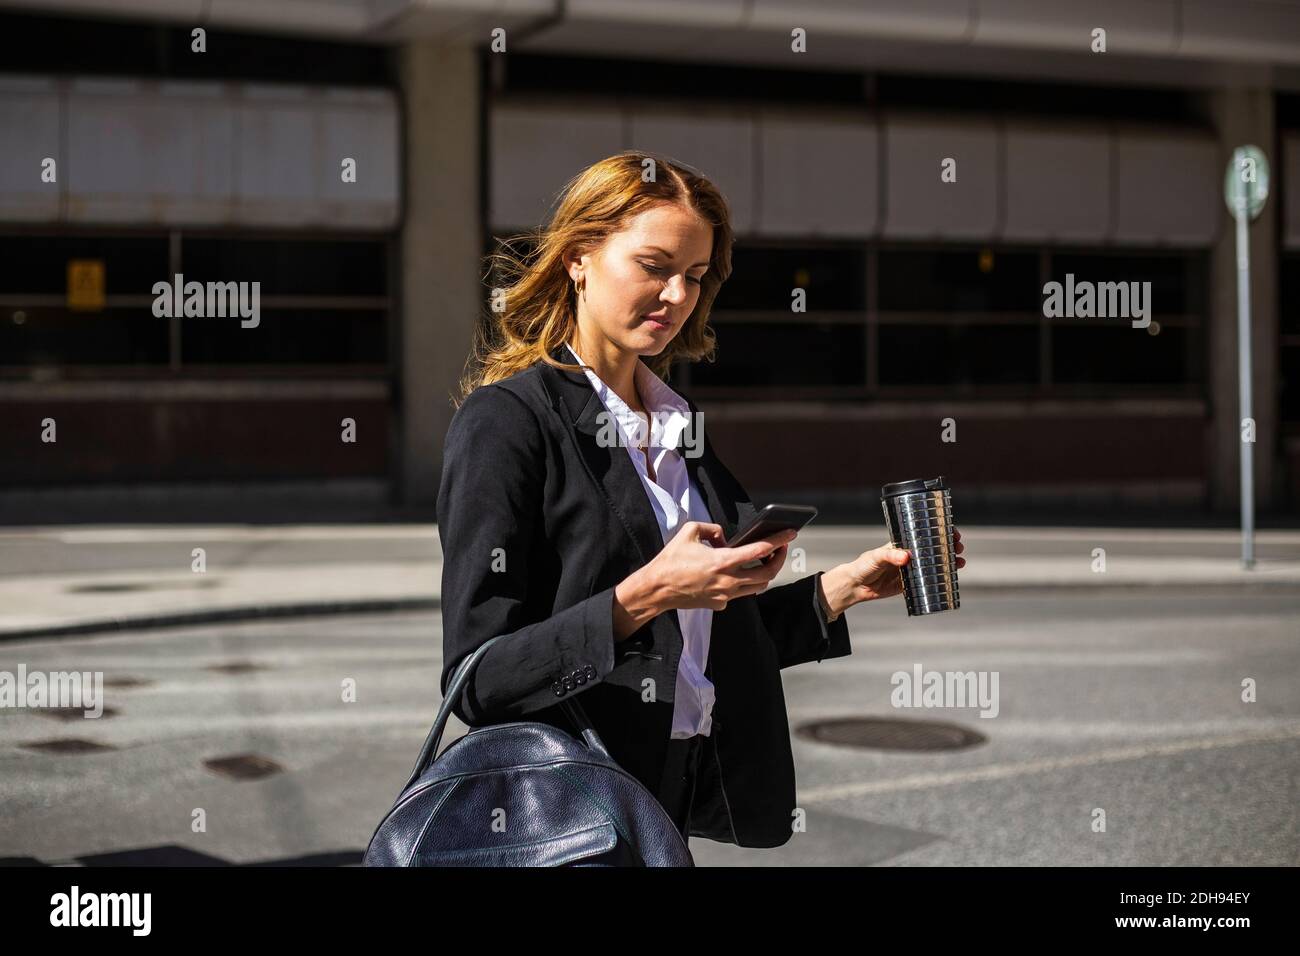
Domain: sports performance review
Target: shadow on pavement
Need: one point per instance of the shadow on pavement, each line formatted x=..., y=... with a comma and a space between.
x=172, y=855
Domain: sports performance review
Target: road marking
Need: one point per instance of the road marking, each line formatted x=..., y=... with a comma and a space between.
x=973, y=658
x=1007, y=771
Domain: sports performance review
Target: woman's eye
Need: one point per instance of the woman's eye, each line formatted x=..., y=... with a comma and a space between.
x=655, y=270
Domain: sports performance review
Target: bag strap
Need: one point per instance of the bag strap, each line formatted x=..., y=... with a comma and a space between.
x=463, y=673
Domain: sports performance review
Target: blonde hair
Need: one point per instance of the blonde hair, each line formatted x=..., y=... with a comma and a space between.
x=542, y=309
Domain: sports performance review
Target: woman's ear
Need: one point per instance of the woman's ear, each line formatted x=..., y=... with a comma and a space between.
x=578, y=260
x=573, y=264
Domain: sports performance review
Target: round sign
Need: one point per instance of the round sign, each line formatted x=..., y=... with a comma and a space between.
x=1246, y=180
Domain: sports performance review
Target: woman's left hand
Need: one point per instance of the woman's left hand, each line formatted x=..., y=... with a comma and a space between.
x=872, y=575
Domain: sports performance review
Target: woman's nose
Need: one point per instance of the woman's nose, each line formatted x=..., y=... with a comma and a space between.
x=675, y=290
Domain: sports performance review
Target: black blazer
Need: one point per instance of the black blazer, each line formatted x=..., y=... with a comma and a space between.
x=538, y=523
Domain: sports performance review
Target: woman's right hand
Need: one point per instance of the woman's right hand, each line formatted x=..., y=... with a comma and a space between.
x=695, y=569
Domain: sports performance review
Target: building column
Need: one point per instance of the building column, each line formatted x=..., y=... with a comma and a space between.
x=440, y=251
x=1244, y=116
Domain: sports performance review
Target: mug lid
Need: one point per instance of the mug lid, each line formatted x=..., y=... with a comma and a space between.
x=915, y=486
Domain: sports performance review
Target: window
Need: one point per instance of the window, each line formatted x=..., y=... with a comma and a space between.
x=38, y=329
x=957, y=318
x=323, y=306
x=925, y=322
x=774, y=355
x=291, y=267
x=958, y=281
x=957, y=354
x=915, y=321
x=323, y=303
x=1097, y=352
x=764, y=344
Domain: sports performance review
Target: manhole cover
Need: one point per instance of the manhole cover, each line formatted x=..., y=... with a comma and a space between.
x=890, y=733
x=243, y=766
x=237, y=667
x=66, y=745
x=74, y=713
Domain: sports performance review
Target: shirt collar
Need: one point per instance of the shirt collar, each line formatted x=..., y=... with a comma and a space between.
x=669, y=412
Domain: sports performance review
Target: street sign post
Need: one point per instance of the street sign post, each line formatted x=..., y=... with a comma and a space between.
x=1245, y=189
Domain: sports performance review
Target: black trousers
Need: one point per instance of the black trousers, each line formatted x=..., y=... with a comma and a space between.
x=678, y=784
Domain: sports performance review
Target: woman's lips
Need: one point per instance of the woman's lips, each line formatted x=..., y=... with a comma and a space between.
x=658, y=324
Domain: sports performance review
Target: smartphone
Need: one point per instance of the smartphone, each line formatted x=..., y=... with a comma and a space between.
x=769, y=521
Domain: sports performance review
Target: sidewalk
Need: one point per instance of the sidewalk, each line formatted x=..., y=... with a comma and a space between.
x=58, y=581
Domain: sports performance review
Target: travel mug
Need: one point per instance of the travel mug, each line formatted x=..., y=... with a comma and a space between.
x=918, y=515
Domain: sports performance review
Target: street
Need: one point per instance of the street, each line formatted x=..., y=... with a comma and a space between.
x=1123, y=700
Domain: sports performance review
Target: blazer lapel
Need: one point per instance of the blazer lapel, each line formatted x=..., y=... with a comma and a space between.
x=612, y=469
x=610, y=465
x=702, y=478
x=718, y=489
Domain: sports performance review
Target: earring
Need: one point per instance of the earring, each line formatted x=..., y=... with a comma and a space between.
x=580, y=287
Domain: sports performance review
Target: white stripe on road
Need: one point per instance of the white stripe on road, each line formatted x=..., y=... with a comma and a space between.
x=973, y=658
x=924, y=781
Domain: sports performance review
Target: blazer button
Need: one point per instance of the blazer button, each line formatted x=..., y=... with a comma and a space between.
x=580, y=679
x=558, y=688
x=591, y=672
x=568, y=683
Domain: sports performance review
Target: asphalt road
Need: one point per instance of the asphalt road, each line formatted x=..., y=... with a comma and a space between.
x=1128, y=702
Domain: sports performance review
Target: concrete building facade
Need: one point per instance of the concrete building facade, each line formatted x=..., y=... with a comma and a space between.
x=1097, y=156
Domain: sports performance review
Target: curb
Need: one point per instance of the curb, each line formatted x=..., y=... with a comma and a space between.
x=257, y=612
x=1215, y=589
x=252, y=612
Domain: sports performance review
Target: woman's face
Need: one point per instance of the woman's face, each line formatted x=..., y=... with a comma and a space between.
x=643, y=283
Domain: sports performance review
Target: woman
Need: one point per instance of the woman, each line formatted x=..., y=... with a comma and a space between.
x=582, y=515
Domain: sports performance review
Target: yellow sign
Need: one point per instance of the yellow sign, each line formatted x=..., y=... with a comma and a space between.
x=86, y=285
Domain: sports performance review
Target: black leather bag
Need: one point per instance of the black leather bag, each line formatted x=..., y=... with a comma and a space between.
x=523, y=793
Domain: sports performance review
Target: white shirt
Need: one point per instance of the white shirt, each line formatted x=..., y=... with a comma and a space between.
x=675, y=500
